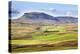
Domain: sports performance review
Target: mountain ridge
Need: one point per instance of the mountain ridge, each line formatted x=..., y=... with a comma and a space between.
x=40, y=17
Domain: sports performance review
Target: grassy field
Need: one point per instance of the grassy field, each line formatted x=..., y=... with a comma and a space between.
x=26, y=38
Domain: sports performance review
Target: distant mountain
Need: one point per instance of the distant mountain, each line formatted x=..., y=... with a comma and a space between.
x=40, y=17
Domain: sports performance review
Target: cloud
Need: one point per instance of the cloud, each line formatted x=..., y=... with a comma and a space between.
x=68, y=13
x=52, y=9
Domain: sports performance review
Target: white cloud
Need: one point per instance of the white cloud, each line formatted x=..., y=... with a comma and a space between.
x=68, y=13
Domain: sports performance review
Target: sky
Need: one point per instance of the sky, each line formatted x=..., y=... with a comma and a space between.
x=53, y=8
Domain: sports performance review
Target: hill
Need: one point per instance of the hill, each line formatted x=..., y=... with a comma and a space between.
x=40, y=17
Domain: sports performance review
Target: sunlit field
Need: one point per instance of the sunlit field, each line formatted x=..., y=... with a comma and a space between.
x=27, y=38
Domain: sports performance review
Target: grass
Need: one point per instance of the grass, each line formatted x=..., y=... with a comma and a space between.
x=44, y=39
x=25, y=40
x=45, y=43
x=34, y=49
x=56, y=37
x=68, y=44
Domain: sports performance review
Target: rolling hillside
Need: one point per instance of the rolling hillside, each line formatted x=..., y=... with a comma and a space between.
x=36, y=31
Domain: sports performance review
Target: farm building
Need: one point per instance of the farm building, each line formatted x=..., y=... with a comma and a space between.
x=53, y=28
